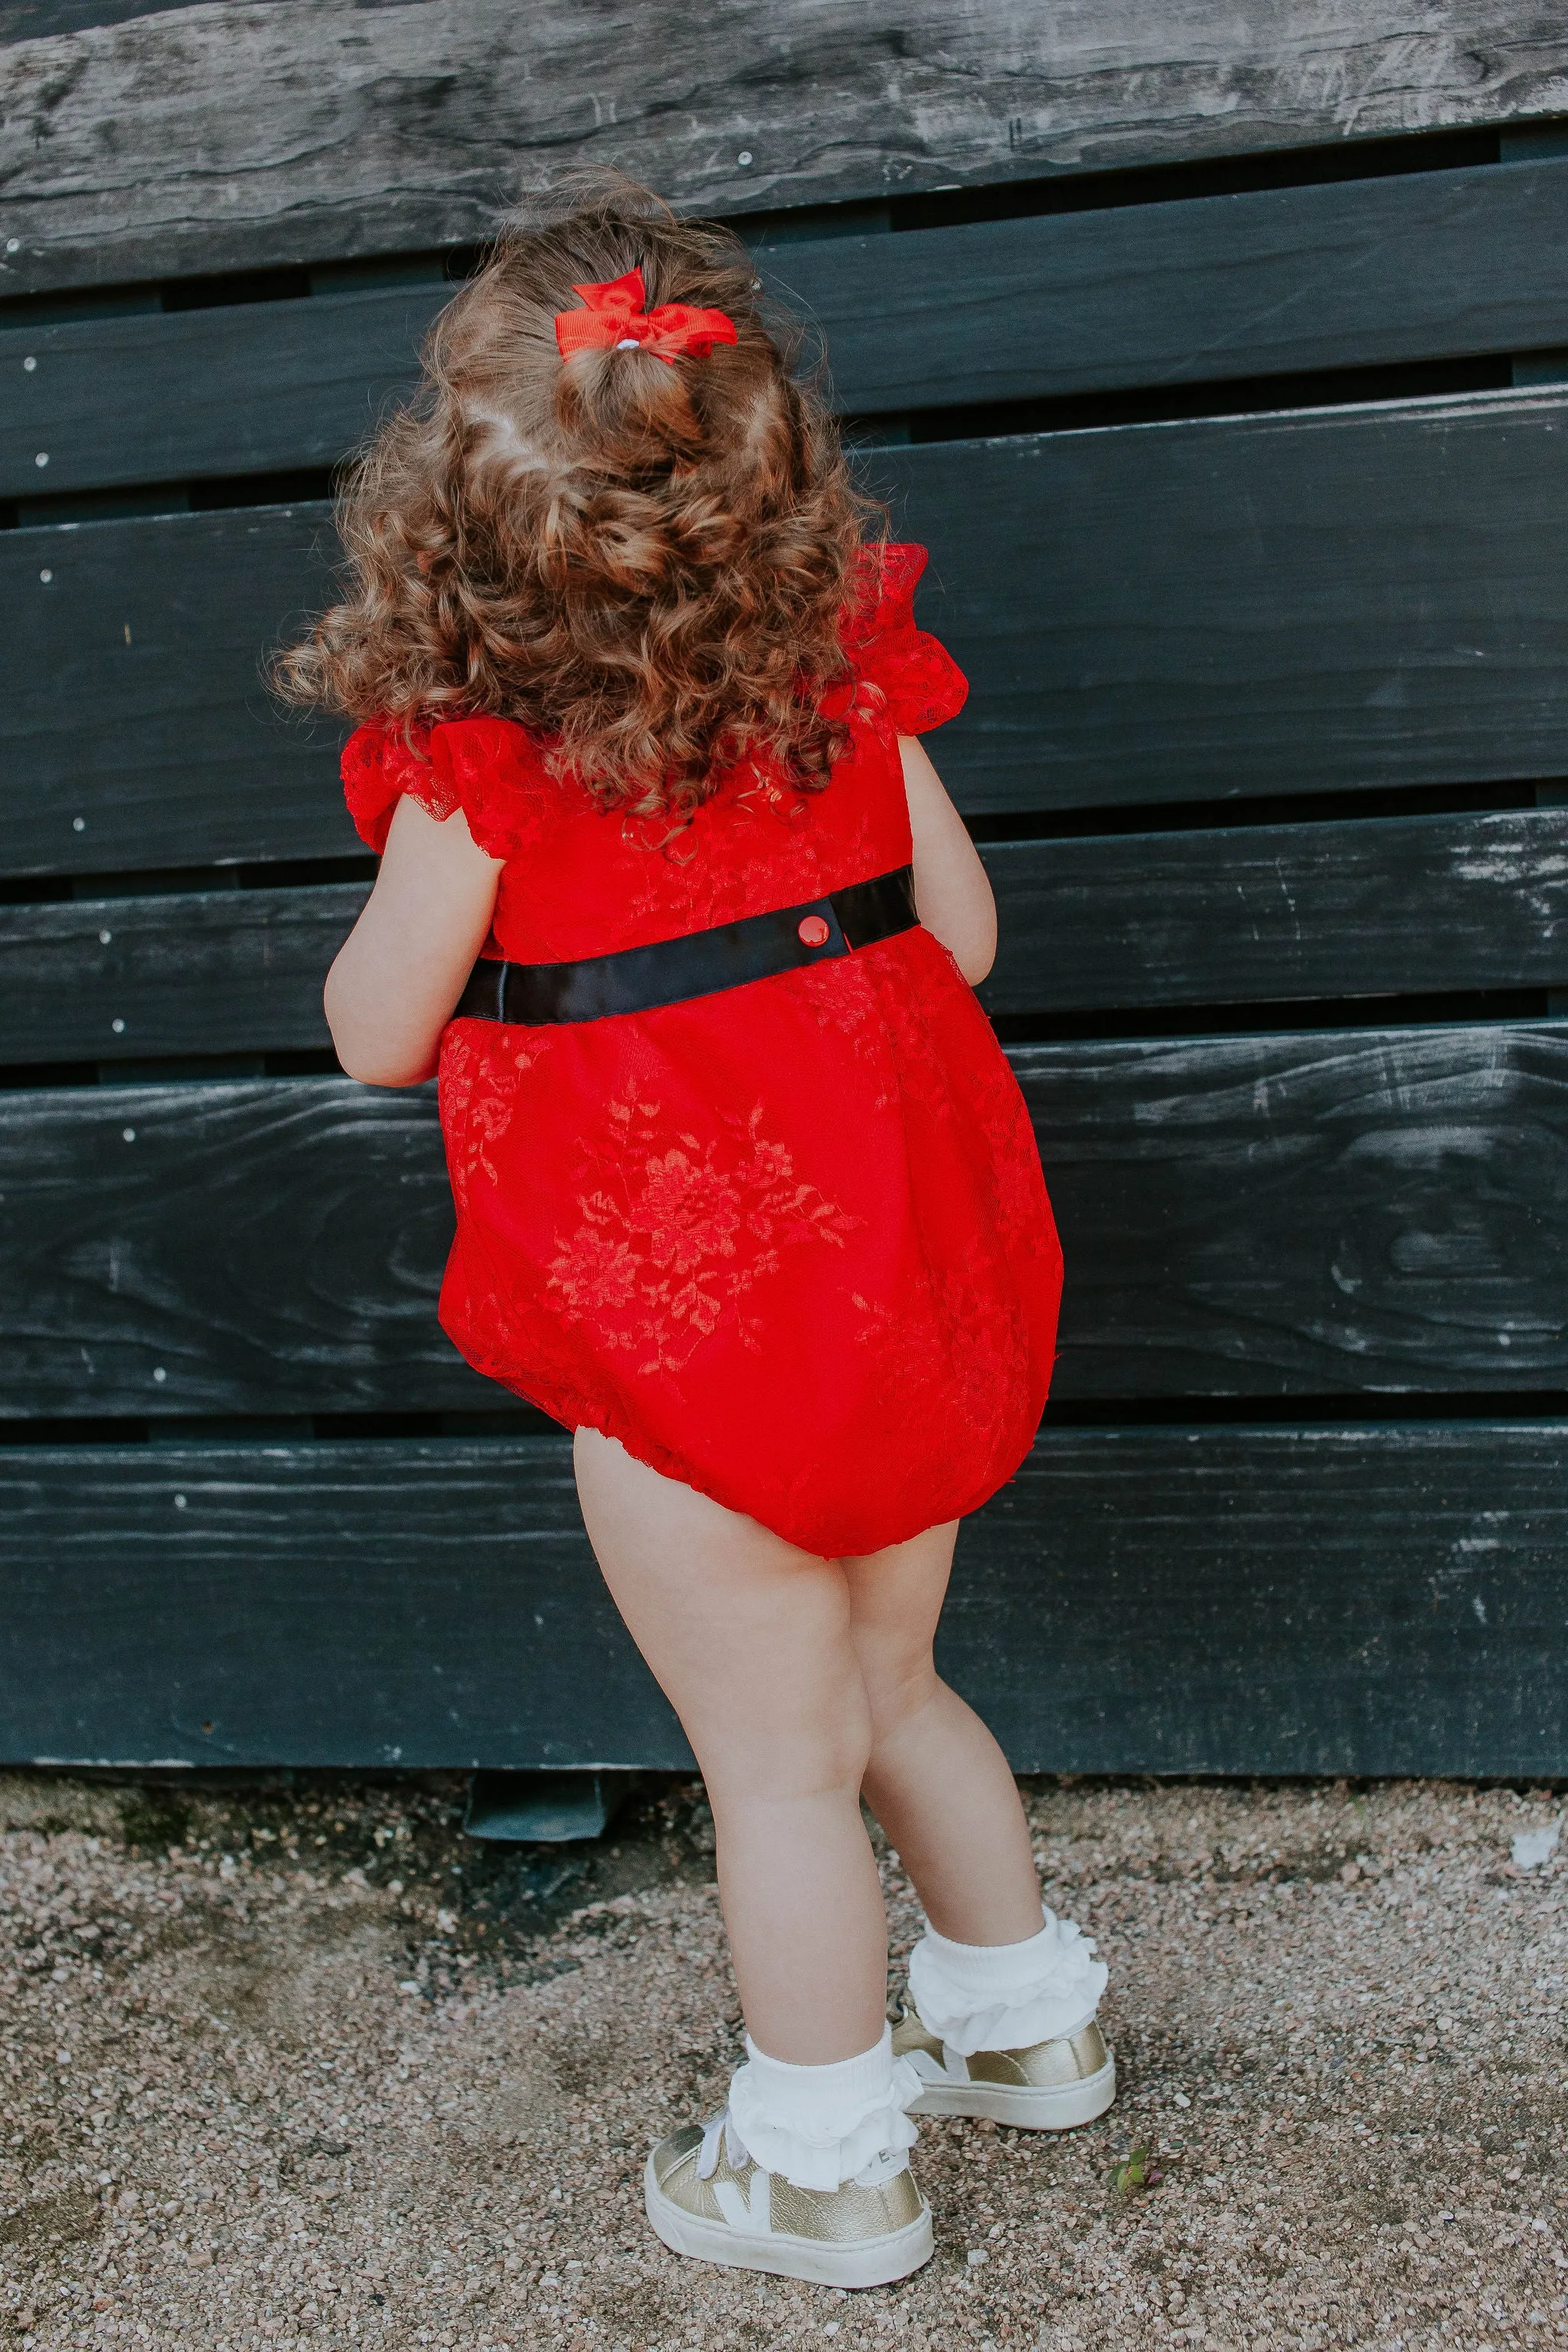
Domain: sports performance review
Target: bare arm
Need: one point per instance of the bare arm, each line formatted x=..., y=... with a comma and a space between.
x=400, y=971
x=952, y=890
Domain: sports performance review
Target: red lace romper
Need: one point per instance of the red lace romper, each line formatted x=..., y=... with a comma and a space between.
x=790, y=1244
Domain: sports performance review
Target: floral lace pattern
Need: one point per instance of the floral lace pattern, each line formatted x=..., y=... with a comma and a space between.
x=675, y=1236
x=790, y=1244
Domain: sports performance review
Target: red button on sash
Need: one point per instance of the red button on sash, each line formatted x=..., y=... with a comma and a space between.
x=811, y=930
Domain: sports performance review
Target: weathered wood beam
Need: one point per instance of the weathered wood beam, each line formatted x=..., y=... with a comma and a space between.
x=1386, y=907
x=216, y=137
x=1373, y=908
x=1372, y=1600
x=192, y=971
x=1307, y=1214
x=1330, y=599
x=1430, y=265
x=1323, y=1212
x=1301, y=602
x=1279, y=281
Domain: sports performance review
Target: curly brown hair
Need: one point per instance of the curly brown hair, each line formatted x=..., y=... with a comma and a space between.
x=648, y=562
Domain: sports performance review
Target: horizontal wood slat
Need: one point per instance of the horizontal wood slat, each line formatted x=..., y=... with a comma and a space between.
x=252, y=1247
x=1429, y=265
x=184, y=395
x=1421, y=266
x=133, y=672
x=1383, y=1600
x=1312, y=602
x=1310, y=1215
x=1373, y=1600
x=417, y=1599
x=1379, y=907
x=317, y=140
x=1390, y=906
x=1333, y=599
x=1264, y=1215
x=196, y=972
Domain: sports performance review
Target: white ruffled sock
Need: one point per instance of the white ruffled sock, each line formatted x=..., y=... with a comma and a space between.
x=1006, y=1996
x=820, y=2126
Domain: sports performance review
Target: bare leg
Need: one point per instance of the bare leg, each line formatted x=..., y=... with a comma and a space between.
x=750, y=1640
x=937, y=1780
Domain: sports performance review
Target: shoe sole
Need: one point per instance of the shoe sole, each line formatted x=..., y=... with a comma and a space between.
x=1027, y=2106
x=868, y=2262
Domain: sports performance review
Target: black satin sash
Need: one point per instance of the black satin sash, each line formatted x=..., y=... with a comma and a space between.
x=701, y=963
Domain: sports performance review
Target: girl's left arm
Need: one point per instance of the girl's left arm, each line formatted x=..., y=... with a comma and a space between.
x=399, y=974
x=953, y=890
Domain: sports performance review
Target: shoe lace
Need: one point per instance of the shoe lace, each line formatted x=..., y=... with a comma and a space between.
x=721, y=2128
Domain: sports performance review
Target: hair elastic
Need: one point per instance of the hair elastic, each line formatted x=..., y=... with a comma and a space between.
x=612, y=319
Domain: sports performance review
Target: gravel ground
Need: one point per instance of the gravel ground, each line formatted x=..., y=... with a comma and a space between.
x=304, y=2066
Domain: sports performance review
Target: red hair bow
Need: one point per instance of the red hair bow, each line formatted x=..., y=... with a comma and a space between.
x=615, y=316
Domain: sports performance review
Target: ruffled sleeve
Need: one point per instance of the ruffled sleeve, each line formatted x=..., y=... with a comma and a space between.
x=378, y=766
x=922, y=683
x=490, y=767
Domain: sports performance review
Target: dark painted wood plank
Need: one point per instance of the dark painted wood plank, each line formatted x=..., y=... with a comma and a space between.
x=1428, y=266
x=1385, y=906
x=1316, y=600
x=254, y=1247
x=1311, y=1600
x=198, y=972
x=183, y=395
x=1393, y=906
x=1422, y=266
x=1333, y=599
x=1387, y=1600
x=1309, y=1214
x=316, y=140
x=1327, y=1212
x=138, y=729
x=419, y=1598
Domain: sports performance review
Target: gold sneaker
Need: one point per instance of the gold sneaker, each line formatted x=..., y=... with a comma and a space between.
x=1051, y=2086
x=706, y=2197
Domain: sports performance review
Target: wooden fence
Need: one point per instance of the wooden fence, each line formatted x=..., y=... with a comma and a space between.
x=1221, y=359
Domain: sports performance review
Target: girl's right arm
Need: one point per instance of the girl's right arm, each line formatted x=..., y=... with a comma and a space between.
x=399, y=974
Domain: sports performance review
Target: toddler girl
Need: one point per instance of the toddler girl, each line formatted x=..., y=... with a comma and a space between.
x=675, y=905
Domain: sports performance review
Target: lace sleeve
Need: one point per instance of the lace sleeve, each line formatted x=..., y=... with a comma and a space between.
x=492, y=770
x=922, y=683
x=487, y=767
x=378, y=767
